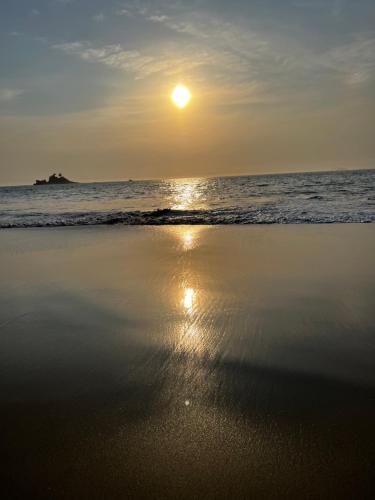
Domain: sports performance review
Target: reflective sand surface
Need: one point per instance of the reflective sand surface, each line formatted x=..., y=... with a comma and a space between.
x=187, y=362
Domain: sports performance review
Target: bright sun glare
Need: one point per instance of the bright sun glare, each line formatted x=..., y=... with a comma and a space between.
x=181, y=96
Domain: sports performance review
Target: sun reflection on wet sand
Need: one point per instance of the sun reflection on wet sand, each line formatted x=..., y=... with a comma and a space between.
x=191, y=336
x=188, y=237
x=189, y=296
x=188, y=240
x=190, y=340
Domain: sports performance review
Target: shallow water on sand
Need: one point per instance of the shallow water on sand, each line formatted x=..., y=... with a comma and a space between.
x=187, y=361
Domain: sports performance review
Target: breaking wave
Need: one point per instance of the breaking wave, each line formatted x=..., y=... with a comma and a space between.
x=169, y=216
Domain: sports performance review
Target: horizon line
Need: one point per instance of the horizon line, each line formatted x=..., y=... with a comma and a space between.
x=213, y=176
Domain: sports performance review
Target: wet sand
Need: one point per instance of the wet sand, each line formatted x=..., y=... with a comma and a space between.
x=187, y=362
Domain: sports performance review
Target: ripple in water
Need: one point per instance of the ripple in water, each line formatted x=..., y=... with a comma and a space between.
x=323, y=197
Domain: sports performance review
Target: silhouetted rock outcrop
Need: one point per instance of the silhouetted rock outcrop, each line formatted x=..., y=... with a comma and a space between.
x=53, y=179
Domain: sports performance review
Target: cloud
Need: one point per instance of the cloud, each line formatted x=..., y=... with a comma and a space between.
x=215, y=51
x=7, y=95
x=236, y=51
x=206, y=42
x=142, y=64
x=124, y=12
x=334, y=7
x=99, y=17
x=158, y=18
x=355, y=60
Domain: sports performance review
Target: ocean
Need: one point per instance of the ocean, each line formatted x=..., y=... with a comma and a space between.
x=298, y=198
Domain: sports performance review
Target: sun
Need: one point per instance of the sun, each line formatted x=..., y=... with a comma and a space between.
x=181, y=96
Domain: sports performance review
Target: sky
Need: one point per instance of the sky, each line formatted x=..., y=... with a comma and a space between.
x=277, y=86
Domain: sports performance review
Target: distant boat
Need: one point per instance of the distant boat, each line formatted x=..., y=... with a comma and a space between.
x=53, y=179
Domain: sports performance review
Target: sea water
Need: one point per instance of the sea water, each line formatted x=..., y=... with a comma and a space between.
x=320, y=197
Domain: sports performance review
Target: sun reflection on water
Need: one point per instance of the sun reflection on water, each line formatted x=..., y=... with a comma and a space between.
x=187, y=194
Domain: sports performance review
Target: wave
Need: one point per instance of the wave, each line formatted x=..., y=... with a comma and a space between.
x=167, y=216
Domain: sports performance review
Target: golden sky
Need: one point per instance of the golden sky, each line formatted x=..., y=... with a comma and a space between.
x=276, y=86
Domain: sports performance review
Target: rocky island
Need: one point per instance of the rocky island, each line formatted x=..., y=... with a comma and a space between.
x=53, y=179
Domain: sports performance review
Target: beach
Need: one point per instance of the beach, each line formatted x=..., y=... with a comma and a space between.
x=187, y=361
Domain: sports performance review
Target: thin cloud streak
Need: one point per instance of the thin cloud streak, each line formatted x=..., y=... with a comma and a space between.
x=7, y=95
